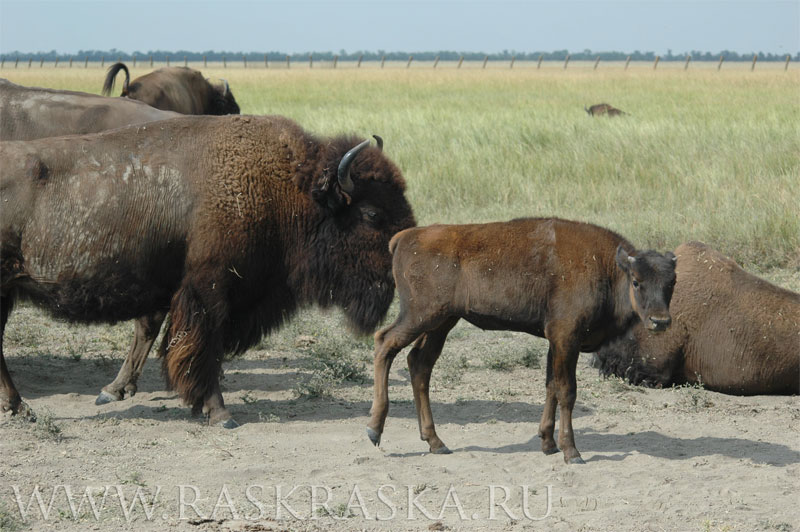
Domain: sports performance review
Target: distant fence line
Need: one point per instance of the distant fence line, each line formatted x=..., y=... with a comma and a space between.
x=335, y=62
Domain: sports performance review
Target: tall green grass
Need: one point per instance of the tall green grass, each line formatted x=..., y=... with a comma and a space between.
x=703, y=155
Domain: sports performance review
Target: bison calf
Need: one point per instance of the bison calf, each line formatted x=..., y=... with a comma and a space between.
x=605, y=109
x=573, y=283
x=733, y=332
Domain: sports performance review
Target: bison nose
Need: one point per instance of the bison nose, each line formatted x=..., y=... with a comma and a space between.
x=658, y=323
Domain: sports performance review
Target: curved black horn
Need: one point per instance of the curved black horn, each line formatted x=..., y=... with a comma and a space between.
x=344, y=167
x=379, y=141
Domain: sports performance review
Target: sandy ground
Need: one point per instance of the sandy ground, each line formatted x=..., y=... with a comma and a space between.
x=672, y=459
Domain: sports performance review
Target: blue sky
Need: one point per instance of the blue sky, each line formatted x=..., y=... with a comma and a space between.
x=391, y=25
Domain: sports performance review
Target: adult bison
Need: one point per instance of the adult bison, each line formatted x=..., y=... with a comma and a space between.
x=575, y=284
x=231, y=223
x=28, y=113
x=732, y=332
x=603, y=109
x=180, y=89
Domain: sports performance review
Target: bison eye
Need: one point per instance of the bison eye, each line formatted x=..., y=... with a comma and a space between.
x=371, y=215
x=635, y=283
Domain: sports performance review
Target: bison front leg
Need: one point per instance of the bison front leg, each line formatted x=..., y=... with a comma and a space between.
x=421, y=360
x=548, y=424
x=10, y=400
x=388, y=342
x=195, y=348
x=145, y=332
x=565, y=360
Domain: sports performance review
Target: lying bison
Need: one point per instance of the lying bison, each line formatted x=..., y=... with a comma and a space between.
x=231, y=223
x=575, y=284
x=178, y=89
x=603, y=109
x=28, y=113
x=732, y=332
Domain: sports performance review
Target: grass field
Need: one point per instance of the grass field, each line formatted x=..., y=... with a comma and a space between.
x=703, y=155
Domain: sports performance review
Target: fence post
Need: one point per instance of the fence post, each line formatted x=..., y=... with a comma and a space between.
x=244, y=61
x=566, y=62
x=753, y=66
x=30, y=60
x=383, y=60
x=205, y=61
x=134, y=60
x=16, y=61
x=721, y=59
x=287, y=62
x=436, y=61
x=119, y=59
x=86, y=62
x=785, y=68
x=151, y=60
x=688, y=58
x=41, y=62
x=360, y=57
x=310, y=61
x=485, y=59
x=56, y=62
x=655, y=64
x=3, y=63
x=596, y=62
x=102, y=61
x=70, y=62
x=224, y=62
x=460, y=60
x=513, y=58
x=335, y=60
x=185, y=61
x=627, y=62
x=266, y=64
x=167, y=60
x=539, y=64
x=410, y=58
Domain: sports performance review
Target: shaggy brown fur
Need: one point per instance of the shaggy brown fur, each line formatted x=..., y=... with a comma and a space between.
x=178, y=89
x=733, y=332
x=573, y=283
x=231, y=222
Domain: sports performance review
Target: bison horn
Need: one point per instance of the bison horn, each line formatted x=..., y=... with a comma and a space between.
x=379, y=141
x=227, y=87
x=344, y=167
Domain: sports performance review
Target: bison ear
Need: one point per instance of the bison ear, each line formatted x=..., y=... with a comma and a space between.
x=624, y=260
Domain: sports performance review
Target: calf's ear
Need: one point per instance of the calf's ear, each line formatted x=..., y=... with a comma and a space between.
x=624, y=260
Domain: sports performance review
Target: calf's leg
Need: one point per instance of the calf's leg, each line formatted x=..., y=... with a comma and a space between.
x=145, y=332
x=421, y=359
x=565, y=359
x=548, y=423
x=388, y=342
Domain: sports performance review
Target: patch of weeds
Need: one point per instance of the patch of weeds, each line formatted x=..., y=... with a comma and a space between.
x=532, y=358
x=248, y=399
x=8, y=522
x=333, y=362
x=269, y=418
x=451, y=372
x=500, y=362
x=134, y=478
x=695, y=397
x=340, y=511
x=46, y=427
x=76, y=348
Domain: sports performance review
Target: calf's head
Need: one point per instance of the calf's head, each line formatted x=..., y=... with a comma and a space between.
x=651, y=280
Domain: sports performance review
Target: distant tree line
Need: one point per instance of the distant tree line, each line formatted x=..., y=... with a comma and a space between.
x=445, y=55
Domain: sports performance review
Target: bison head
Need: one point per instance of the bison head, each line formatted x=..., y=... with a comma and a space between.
x=651, y=280
x=222, y=100
x=361, y=205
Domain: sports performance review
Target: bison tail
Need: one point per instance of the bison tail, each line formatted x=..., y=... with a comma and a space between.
x=113, y=70
x=193, y=353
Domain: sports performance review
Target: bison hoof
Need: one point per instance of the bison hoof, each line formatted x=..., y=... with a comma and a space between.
x=551, y=450
x=229, y=423
x=105, y=398
x=442, y=450
x=576, y=460
x=374, y=437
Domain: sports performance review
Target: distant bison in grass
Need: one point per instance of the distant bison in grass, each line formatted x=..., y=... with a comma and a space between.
x=180, y=89
x=576, y=284
x=732, y=332
x=603, y=109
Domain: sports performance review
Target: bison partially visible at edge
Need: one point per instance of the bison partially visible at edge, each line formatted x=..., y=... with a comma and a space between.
x=576, y=284
x=230, y=223
x=180, y=89
x=732, y=332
